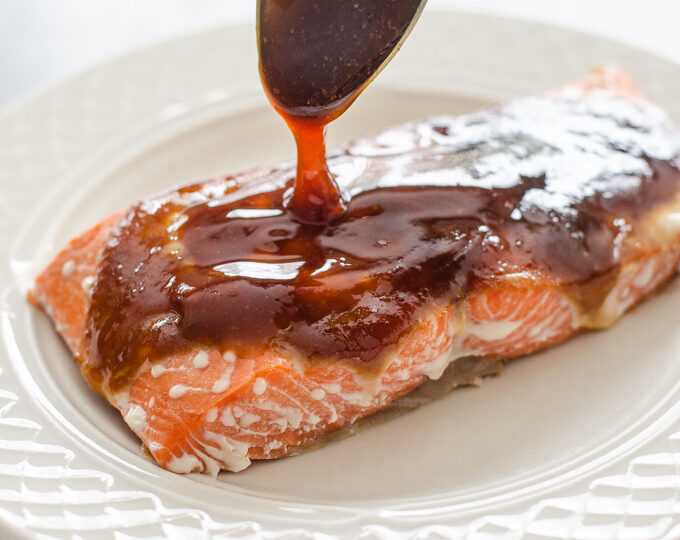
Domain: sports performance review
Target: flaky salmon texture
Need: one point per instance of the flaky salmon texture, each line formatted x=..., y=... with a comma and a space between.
x=207, y=408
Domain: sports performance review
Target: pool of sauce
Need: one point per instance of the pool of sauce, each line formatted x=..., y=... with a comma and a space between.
x=438, y=209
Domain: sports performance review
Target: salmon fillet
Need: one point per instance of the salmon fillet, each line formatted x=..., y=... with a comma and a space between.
x=207, y=408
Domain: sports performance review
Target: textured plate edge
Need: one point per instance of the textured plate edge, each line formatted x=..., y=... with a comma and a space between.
x=377, y=529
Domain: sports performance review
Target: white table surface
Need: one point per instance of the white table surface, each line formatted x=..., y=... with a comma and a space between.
x=42, y=41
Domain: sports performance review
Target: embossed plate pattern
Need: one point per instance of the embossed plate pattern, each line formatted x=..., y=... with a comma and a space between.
x=582, y=441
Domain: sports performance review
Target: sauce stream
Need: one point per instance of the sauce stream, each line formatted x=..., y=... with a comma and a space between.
x=315, y=59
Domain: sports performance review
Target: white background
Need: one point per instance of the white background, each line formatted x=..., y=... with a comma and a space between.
x=42, y=41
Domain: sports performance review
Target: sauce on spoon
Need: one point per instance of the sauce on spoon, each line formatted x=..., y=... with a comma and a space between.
x=315, y=59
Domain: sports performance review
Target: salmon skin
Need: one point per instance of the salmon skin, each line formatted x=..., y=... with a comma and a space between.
x=211, y=406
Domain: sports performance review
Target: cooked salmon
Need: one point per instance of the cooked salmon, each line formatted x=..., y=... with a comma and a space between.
x=209, y=405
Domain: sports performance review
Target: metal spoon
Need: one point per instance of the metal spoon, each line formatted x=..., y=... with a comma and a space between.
x=316, y=56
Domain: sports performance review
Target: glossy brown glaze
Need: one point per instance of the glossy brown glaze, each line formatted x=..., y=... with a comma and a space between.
x=440, y=208
x=315, y=59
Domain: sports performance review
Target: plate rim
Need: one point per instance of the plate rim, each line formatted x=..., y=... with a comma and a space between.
x=18, y=107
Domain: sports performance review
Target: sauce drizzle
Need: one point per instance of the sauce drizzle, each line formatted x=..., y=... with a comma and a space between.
x=315, y=59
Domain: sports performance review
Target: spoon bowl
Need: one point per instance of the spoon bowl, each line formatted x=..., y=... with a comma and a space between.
x=316, y=57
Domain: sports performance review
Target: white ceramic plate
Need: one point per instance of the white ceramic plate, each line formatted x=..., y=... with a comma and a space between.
x=577, y=442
